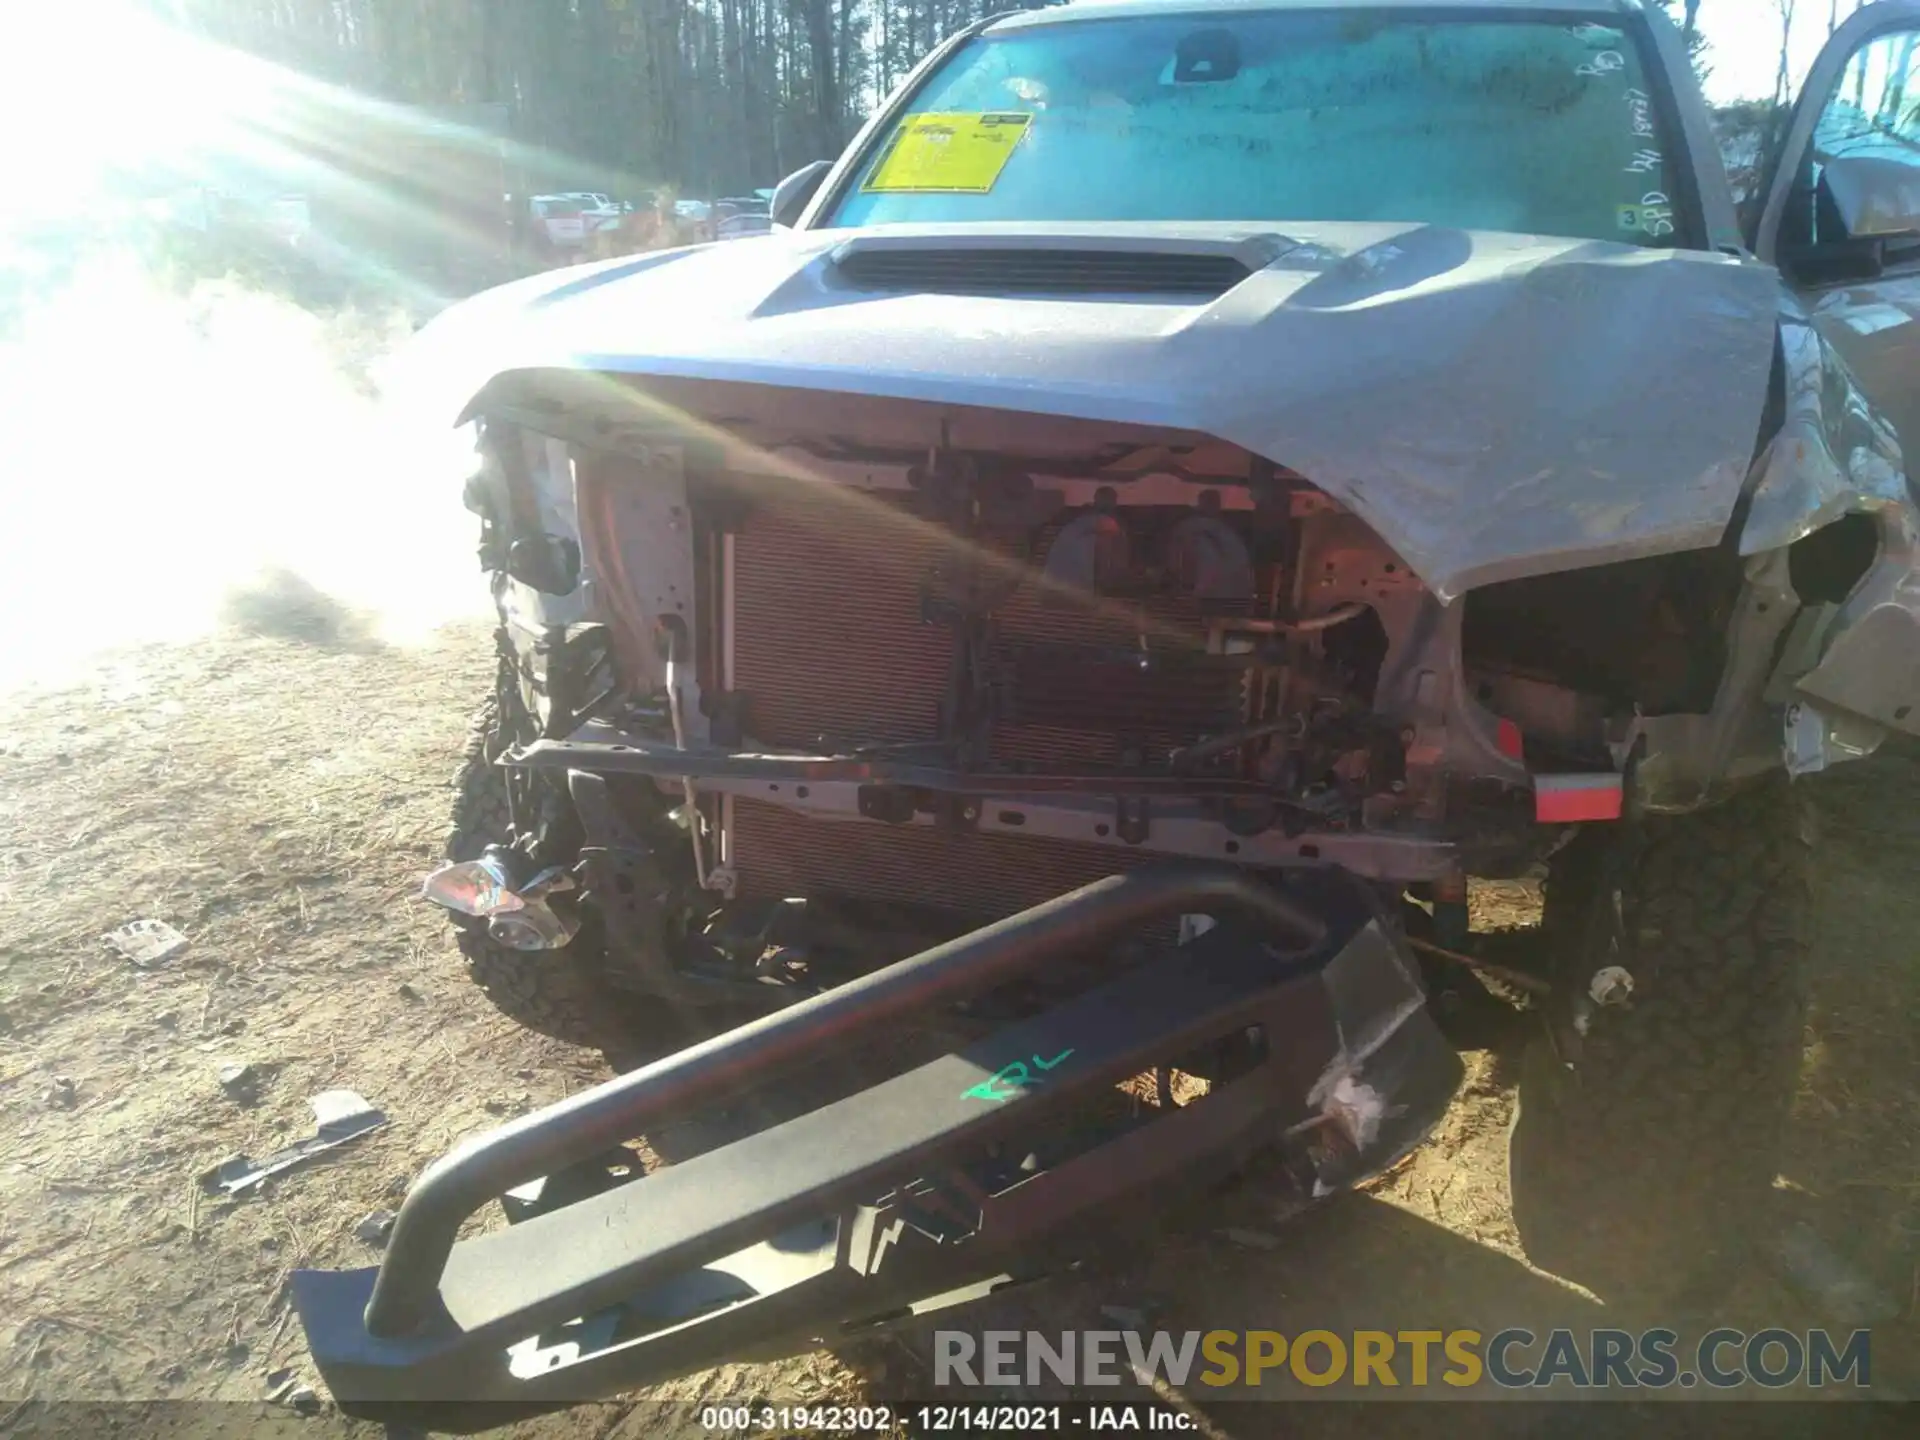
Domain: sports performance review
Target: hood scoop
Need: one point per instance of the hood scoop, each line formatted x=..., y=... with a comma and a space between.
x=965, y=269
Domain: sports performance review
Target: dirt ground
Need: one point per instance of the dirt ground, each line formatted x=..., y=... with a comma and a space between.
x=277, y=800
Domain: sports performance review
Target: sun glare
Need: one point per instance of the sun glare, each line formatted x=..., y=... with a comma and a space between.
x=88, y=92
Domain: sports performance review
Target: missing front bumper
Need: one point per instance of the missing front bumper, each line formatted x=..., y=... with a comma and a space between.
x=902, y=1196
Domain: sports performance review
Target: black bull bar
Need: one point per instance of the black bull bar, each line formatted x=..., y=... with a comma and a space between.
x=862, y=1212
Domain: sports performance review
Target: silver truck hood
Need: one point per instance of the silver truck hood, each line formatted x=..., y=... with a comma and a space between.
x=1494, y=405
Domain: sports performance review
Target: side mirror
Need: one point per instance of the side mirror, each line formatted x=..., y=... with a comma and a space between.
x=1875, y=195
x=791, y=195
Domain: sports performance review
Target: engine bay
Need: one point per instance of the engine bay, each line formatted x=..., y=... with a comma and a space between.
x=1025, y=635
x=1025, y=675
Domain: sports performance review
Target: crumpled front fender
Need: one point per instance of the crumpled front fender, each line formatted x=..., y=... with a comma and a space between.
x=1835, y=455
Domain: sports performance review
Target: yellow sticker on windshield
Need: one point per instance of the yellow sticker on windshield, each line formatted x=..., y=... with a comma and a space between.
x=950, y=153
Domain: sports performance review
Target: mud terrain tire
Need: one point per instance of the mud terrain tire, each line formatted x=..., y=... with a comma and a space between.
x=1642, y=1155
x=560, y=993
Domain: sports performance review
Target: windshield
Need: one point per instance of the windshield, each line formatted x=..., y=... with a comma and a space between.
x=1524, y=126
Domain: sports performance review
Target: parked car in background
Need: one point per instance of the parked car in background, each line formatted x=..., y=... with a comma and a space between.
x=559, y=221
x=599, y=208
x=569, y=219
x=738, y=216
x=741, y=226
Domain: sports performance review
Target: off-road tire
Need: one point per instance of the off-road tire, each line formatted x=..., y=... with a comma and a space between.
x=1642, y=1154
x=562, y=993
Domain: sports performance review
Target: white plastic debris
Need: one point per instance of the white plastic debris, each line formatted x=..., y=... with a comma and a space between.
x=147, y=944
x=342, y=1115
x=1611, y=985
x=1356, y=1109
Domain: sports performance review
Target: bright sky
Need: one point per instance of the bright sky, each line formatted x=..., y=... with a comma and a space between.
x=1743, y=38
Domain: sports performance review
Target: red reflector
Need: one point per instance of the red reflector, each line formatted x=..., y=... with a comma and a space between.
x=1507, y=737
x=1567, y=799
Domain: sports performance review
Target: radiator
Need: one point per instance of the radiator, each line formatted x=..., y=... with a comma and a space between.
x=830, y=649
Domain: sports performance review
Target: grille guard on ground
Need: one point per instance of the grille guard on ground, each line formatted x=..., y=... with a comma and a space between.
x=820, y=1228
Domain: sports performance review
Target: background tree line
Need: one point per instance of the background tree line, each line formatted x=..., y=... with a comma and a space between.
x=711, y=96
x=707, y=96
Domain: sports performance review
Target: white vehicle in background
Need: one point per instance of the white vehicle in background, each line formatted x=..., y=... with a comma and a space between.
x=569, y=219
x=738, y=216
x=596, y=202
x=599, y=210
x=558, y=219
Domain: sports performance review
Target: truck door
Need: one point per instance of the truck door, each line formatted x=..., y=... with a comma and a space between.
x=1842, y=218
x=1842, y=223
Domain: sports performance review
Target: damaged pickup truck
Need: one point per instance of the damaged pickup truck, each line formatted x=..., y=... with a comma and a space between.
x=1196, y=485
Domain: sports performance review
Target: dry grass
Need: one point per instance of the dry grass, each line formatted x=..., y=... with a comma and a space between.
x=277, y=801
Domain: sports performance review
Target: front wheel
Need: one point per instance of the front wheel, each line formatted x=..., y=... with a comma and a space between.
x=562, y=993
x=1653, y=1107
